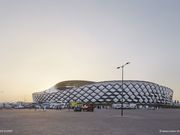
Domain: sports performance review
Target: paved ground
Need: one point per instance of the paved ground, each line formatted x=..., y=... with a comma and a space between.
x=100, y=122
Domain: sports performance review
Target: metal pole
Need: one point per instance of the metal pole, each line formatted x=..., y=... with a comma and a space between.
x=122, y=87
x=122, y=92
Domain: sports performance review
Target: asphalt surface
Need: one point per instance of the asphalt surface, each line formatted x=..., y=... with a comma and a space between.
x=100, y=122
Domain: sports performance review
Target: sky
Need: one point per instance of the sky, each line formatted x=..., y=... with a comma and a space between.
x=43, y=42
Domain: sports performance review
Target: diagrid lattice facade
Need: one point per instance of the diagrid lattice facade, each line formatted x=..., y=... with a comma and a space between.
x=139, y=92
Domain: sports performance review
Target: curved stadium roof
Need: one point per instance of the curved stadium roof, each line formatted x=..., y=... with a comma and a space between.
x=72, y=83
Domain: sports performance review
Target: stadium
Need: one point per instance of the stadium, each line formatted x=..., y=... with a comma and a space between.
x=106, y=93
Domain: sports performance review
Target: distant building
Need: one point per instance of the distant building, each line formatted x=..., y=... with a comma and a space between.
x=106, y=92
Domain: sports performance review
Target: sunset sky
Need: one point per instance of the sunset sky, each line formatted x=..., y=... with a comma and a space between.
x=43, y=42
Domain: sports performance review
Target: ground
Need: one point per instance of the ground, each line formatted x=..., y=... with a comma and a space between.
x=100, y=122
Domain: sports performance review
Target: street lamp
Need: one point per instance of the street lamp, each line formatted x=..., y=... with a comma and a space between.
x=122, y=91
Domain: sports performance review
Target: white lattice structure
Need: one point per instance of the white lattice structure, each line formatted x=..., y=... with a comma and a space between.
x=140, y=92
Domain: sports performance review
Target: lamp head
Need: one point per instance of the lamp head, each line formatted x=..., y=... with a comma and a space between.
x=127, y=63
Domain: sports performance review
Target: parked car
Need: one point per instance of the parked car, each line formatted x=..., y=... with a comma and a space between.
x=19, y=107
x=77, y=109
x=88, y=107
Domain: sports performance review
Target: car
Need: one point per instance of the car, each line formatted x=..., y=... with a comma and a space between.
x=88, y=108
x=77, y=109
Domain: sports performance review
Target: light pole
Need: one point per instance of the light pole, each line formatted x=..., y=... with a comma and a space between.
x=122, y=91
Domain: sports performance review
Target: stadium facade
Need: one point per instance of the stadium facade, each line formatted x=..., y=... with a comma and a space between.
x=106, y=92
